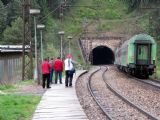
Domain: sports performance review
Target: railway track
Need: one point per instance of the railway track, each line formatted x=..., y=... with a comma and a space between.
x=121, y=107
x=154, y=83
x=94, y=96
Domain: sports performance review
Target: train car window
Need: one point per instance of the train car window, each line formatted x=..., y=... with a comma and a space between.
x=139, y=50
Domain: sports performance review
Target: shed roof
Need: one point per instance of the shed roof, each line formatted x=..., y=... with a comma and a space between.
x=13, y=48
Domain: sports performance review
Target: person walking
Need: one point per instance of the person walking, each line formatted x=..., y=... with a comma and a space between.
x=51, y=62
x=69, y=70
x=58, y=68
x=45, y=73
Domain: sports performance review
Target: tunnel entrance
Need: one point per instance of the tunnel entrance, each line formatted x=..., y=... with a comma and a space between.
x=102, y=55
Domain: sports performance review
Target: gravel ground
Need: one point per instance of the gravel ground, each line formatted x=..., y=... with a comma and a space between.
x=143, y=95
x=33, y=89
x=90, y=107
x=25, y=89
x=117, y=108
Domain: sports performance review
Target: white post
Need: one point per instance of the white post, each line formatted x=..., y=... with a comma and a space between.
x=61, y=33
x=35, y=39
x=69, y=47
x=41, y=27
x=61, y=48
x=34, y=12
x=41, y=45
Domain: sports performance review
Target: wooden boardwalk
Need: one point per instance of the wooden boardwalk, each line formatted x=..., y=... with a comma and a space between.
x=60, y=103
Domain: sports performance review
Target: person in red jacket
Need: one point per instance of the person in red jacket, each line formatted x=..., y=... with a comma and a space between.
x=58, y=68
x=45, y=73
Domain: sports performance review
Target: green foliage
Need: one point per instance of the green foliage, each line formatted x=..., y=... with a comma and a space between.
x=35, y=3
x=111, y=14
x=14, y=87
x=14, y=107
x=14, y=34
x=51, y=40
x=6, y=87
x=3, y=18
x=105, y=27
x=14, y=10
x=90, y=13
x=133, y=4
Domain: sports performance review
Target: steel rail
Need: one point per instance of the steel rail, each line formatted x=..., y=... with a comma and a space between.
x=92, y=94
x=128, y=101
x=147, y=81
x=144, y=80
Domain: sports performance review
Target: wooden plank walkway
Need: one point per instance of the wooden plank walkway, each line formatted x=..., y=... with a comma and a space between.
x=60, y=103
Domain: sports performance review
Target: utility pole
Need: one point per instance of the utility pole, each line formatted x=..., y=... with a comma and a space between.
x=27, y=62
x=61, y=33
x=61, y=12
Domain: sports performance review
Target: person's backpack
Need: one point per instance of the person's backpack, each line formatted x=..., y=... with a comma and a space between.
x=73, y=70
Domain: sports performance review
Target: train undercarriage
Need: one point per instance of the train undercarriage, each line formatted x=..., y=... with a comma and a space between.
x=140, y=71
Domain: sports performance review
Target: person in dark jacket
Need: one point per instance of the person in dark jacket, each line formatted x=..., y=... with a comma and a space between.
x=58, y=69
x=51, y=62
x=45, y=73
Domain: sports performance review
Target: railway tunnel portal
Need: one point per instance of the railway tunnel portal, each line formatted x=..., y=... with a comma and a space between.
x=99, y=50
x=102, y=55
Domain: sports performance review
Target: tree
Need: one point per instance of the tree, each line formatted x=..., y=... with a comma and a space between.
x=14, y=10
x=133, y=4
x=5, y=2
x=3, y=18
x=14, y=34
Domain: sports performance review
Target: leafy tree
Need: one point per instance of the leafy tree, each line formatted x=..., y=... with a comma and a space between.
x=3, y=18
x=133, y=4
x=5, y=2
x=14, y=10
x=13, y=34
x=35, y=3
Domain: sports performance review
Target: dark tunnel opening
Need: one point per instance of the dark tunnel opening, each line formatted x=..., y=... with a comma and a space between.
x=102, y=55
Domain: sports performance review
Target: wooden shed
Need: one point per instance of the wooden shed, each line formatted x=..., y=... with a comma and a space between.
x=10, y=64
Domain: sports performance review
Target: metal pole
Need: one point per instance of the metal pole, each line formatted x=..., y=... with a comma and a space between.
x=24, y=39
x=69, y=47
x=41, y=46
x=27, y=62
x=61, y=48
x=35, y=38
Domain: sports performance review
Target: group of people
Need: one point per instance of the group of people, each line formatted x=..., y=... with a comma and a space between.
x=56, y=66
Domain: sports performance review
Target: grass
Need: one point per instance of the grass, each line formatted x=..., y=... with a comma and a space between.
x=158, y=71
x=7, y=87
x=158, y=74
x=14, y=107
x=13, y=87
x=17, y=107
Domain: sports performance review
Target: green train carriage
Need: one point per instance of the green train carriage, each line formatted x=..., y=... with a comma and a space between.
x=137, y=56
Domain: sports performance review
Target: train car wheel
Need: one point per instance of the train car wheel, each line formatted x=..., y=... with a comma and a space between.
x=133, y=72
x=130, y=71
x=146, y=76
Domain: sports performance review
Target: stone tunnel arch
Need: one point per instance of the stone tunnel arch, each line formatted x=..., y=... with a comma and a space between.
x=102, y=55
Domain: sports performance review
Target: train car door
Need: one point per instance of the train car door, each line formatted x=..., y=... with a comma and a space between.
x=143, y=54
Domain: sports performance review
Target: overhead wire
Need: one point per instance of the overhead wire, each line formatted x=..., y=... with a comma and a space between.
x=52, y=11
x=49, y=13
